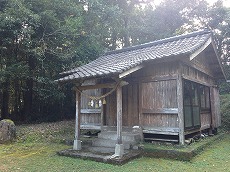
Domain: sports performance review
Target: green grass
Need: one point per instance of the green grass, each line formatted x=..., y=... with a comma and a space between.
x=225, y=111
x=37, y=152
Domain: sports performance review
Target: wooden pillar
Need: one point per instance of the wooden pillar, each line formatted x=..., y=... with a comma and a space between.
x=180, y=109
x=212, y=103
x=77, y=142
x=119, y=148
x=102, y=116
x=140, y=104
x=119, y=114
x=215, y=107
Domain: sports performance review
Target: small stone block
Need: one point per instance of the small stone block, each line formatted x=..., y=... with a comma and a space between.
x=119, y=150
x=77, y=145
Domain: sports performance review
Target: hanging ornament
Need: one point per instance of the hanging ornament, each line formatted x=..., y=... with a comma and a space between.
x=96, y=105
x=92, y=103
x=104, y=101
x=100, y=103
x=89, y=103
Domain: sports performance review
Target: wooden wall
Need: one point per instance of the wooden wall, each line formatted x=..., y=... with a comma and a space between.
x=90, y=118
x=154, y=88
x=154, y=71
x=215, y=107
x=110, y=109
x=90, y=115
x=159, y=104
x=153, y=120
x=159, y=94
x=130, y=114
x=192, y=74
x=130, y=105
x=205, y=119
x=198, y=70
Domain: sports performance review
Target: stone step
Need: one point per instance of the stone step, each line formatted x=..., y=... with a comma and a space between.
x=126, y=136
x=109, y=143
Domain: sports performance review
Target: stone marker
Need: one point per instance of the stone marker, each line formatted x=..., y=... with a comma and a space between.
x=7, y=131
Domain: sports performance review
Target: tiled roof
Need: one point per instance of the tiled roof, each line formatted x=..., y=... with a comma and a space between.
x=118, y=61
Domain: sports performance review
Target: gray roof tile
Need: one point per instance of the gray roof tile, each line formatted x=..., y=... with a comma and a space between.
x=118, y=61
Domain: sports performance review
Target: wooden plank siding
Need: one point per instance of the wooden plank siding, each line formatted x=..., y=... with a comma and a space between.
x=161, y=94
x=159, y=120
x=205, y=119
x=198, y=70
x=160, y=76
x=90, y=118
x=110, y=109
x=157, y=97
x=157, y=70
x=194, y=75
x=158, y=100
x=215, y=107
x=200, y=63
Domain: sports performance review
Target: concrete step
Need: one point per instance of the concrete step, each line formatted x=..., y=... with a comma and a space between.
x=102, y=149
x=114, y=128
x=99, y=142
x=126, y=136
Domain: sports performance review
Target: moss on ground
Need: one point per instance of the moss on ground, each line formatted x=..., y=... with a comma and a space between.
x=186, y=152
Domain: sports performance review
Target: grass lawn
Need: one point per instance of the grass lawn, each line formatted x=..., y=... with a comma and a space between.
x=37, y=145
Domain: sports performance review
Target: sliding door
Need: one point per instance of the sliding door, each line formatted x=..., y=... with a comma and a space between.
x=191, y=105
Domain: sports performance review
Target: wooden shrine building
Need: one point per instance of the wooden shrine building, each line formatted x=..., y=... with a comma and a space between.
x=166, y=87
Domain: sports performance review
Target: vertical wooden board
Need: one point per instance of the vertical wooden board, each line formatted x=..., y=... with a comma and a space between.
x=195, y=74
x=160, y=120
x=202, y=62
x=159, y=69
x=83, y=118
x=130, y=106
x=113, y=110
x=161, y=94
x=205, y=119
x=92, y=118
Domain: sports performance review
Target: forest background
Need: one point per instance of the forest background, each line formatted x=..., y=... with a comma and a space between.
x=40, y=39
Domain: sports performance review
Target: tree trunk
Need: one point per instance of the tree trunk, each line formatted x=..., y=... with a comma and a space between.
x=28, y=98
x=5, y=100
x=126, y=33
x=28, y=95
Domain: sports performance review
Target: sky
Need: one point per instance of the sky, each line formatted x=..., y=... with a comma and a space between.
x=225, y=2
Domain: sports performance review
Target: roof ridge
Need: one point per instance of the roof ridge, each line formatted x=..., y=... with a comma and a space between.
x=161, y=41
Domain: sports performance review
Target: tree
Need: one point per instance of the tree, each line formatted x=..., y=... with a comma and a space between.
x=39, y=40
